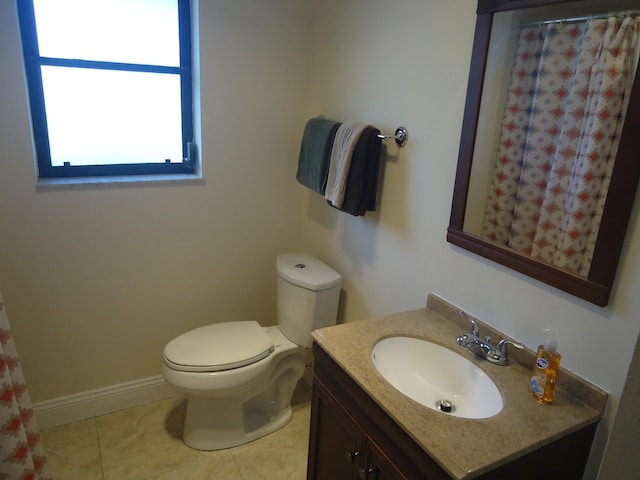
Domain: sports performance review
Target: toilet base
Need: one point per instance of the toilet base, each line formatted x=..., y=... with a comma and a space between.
x=203, y=431
x=216, y=422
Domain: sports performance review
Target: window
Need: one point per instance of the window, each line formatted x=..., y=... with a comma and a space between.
x=109, y=86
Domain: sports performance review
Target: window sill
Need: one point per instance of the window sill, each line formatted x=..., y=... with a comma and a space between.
x=75, y=183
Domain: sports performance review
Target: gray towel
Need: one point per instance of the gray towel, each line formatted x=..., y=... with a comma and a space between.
x=345, y=142
x=315, y=153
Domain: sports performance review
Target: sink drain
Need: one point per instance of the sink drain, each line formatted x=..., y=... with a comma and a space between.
x=445, y=406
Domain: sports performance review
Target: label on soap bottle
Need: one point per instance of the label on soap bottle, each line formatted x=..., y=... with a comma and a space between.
x=537, y=385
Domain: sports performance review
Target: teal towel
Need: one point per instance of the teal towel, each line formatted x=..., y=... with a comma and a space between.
x=315, y=153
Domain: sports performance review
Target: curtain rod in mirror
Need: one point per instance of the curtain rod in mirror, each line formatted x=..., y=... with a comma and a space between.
x=622, y=13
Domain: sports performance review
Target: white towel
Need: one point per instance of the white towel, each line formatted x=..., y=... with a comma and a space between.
x=344, y=142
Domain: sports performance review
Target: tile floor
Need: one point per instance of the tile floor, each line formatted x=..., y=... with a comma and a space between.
x=145, y=442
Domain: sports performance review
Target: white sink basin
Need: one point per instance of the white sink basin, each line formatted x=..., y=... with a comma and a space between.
x=433, y=375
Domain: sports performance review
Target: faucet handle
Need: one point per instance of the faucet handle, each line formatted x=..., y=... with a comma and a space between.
x=502, y=348
x=474, y=325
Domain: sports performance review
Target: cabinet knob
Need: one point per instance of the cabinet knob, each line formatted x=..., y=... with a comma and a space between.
x=350, y=456
x=365, y=471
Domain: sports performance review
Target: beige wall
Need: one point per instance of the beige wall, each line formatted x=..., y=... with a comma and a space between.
x=97, y=280
x=621, y=458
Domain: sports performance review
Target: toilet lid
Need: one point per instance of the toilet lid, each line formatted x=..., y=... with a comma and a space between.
x=220, y=346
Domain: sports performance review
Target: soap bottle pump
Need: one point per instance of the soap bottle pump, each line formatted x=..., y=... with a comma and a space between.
x=545, y=371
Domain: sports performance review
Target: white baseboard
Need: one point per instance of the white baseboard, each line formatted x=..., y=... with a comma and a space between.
x=62, y=410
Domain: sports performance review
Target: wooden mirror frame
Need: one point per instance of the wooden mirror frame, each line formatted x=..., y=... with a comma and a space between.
x=596, y=288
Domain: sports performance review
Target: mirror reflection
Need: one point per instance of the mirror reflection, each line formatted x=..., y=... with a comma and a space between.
x=562, y=88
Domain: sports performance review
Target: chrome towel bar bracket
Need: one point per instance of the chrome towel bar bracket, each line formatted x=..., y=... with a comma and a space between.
x=401, y=136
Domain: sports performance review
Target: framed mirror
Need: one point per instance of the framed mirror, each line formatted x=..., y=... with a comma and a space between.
x=547, y=171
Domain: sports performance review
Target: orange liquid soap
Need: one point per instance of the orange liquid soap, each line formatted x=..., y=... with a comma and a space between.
x=545, y=373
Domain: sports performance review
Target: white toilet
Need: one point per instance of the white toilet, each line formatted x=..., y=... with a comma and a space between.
x=240, y=376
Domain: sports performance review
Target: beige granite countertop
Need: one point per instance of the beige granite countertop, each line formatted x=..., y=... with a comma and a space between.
x=464, y=448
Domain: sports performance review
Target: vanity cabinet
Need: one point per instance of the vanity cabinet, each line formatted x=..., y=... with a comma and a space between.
x=352, y=437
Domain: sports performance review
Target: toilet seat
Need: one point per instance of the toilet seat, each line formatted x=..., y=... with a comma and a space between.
x=218, y=347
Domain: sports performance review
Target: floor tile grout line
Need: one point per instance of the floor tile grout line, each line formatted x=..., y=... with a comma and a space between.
x=95, y=420
x=235, y=462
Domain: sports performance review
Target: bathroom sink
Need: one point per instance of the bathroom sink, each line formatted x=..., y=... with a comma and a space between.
x=436, y=377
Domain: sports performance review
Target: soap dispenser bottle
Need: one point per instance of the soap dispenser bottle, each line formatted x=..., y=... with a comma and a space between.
x=545, y=371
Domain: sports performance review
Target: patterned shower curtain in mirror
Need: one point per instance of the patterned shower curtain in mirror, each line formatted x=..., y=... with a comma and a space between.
x=21, y=452
x=564, y=112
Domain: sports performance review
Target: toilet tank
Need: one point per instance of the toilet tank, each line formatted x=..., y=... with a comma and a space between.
x=308, y=294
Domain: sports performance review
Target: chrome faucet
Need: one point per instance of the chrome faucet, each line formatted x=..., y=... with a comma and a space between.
x=483, y=348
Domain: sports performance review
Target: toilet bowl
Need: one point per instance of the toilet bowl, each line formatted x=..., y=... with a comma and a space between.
x=239, y=376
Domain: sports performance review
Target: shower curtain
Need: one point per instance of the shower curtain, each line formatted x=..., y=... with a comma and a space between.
x=21, y=452
x=561, y=128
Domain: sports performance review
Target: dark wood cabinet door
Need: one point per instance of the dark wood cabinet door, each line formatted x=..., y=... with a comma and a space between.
x=336, y=449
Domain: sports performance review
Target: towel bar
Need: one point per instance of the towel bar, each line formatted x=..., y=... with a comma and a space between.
x=401, y=136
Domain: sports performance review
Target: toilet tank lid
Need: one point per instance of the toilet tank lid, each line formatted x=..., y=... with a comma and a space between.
x=307, y=271
x=219, y=346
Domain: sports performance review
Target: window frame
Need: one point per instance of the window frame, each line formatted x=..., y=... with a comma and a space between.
x=33, y=63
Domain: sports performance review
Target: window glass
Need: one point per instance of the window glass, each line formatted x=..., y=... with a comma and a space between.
x=102, y=117
x=126, y=31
